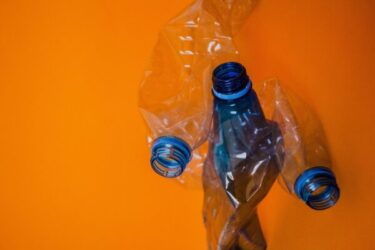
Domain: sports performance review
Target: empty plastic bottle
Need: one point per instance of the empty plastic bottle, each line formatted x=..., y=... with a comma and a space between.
x=307, y=165
x=242, y=163
x=175, y=94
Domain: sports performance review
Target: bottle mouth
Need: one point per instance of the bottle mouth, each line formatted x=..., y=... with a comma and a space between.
x=170, y=155
x=230, y=81
x=318, y=188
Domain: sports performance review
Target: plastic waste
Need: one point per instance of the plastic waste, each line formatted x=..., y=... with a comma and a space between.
x=241, y=136
x=175, y=94
x=306, y=170
x=244, y=158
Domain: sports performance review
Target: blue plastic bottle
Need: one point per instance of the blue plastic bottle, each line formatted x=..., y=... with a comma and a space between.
x=242, y=163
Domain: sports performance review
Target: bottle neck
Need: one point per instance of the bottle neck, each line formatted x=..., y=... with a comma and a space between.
x=317, y=187
x=170, y=155
x=230, y=80
x=232, y=95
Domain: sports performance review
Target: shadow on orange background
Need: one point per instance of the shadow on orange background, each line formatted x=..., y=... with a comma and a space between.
x=74, y=170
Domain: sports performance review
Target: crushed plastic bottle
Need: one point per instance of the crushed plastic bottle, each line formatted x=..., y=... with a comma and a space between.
x=175, y=94
x=244, y=159
x=307, y=165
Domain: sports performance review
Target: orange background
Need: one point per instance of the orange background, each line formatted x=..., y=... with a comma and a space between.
x=74, y=171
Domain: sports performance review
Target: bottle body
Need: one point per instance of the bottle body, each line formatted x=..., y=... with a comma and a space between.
x=306, y=170
x=241, y=166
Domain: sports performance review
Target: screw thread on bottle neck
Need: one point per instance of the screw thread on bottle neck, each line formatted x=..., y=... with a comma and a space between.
x=318, y=188
x=230, y=81
x=170, y=155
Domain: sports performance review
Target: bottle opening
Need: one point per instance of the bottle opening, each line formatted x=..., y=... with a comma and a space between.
x=170, y=155
x=318, y=188
x=230, y=81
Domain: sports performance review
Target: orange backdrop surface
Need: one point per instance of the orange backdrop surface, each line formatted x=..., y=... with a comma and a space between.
x=74, y=170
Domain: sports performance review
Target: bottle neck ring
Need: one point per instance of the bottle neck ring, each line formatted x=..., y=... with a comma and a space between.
x=233, y=96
